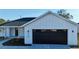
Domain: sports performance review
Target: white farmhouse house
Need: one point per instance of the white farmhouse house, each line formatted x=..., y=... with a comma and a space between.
x=48, y=28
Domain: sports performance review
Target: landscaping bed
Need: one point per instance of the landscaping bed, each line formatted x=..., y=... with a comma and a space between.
x=15, y=42
x=2, y=38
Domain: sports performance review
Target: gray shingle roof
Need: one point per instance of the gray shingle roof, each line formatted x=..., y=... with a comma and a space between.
x=18, y=22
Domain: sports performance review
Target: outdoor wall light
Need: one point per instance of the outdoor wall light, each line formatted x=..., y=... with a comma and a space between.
x=27, y=30
x=72, y=31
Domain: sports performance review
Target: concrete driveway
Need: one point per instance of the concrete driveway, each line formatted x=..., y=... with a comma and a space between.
x=36, y=46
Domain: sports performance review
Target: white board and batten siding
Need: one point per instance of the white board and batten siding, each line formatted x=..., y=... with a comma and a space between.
x=21, y=32
x=50, y=21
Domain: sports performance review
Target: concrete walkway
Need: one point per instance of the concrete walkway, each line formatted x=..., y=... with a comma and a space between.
x=34, y=46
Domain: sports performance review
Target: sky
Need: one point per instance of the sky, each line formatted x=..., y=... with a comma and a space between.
x=13, y=14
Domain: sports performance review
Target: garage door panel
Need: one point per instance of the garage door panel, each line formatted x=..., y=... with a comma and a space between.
x=49, y=37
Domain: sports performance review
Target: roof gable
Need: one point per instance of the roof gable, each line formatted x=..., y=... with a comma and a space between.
x=49, y=12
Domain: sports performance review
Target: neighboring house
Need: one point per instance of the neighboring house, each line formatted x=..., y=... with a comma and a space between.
x=78, y=28
x=48, y=28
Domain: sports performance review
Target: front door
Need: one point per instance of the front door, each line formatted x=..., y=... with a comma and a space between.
x=16, y=31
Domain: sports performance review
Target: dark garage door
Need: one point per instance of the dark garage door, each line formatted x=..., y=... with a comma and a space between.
x=43, y=36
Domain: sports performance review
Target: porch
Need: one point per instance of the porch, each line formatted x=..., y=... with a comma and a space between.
x=12, y=32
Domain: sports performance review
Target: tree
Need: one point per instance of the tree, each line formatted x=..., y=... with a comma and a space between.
x=2, y=21
x=8, y=21
x=63, y=13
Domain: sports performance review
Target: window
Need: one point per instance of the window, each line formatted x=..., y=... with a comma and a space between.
x=43, y=30
x=1, y=30
x=54, y=30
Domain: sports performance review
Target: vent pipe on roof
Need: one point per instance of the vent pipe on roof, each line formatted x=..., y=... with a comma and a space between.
x=20, y=16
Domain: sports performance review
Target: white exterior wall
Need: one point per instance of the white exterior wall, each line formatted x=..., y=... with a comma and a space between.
x=21, y=32
x=51, y=22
